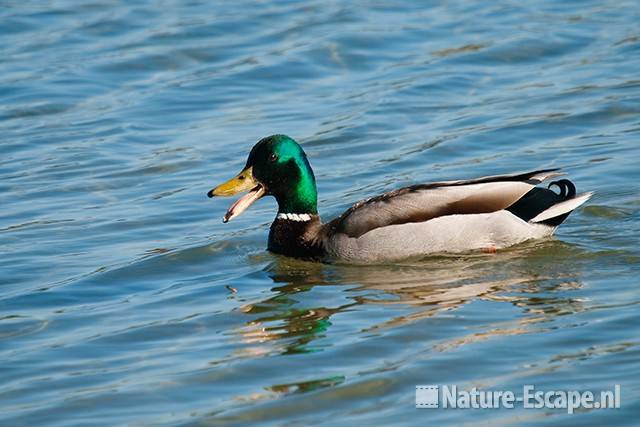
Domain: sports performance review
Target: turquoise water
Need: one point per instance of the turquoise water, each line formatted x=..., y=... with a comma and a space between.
x=125, y=300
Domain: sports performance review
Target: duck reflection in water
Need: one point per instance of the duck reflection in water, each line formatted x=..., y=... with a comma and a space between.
x=529, y=277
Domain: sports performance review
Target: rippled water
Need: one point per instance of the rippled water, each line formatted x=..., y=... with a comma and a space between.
x=125, y=300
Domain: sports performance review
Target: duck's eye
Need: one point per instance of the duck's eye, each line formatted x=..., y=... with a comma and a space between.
x=273, y=157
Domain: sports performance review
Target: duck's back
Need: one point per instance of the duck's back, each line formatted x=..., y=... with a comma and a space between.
x=455, y=216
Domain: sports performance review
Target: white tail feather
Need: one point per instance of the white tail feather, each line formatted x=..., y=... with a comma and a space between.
x=562, y=207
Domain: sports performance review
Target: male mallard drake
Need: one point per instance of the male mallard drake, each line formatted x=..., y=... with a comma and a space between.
x=451, y=216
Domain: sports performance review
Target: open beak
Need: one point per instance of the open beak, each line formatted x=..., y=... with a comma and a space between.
x=244, y=181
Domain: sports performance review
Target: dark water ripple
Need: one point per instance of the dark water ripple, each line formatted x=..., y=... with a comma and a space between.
x=124, y=300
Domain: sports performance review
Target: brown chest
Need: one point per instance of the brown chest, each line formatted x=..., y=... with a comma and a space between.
x=294, y=238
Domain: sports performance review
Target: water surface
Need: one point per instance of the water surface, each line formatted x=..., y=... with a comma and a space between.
x=125, y=300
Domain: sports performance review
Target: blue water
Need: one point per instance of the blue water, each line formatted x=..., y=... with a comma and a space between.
x=125, y=300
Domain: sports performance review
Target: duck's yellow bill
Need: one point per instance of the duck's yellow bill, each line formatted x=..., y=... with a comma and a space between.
x=244, y=181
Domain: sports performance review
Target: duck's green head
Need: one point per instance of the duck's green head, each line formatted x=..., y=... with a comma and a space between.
x=276, y=166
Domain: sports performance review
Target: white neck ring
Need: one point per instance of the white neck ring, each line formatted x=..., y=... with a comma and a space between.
x=294, y=216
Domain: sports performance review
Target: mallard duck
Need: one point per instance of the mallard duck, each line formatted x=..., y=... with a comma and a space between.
x=486, y=213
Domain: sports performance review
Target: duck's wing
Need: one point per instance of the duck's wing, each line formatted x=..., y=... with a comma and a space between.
x=423, y=202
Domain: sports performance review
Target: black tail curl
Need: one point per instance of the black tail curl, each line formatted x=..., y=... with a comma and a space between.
x=566, y=187
x=538, y=200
